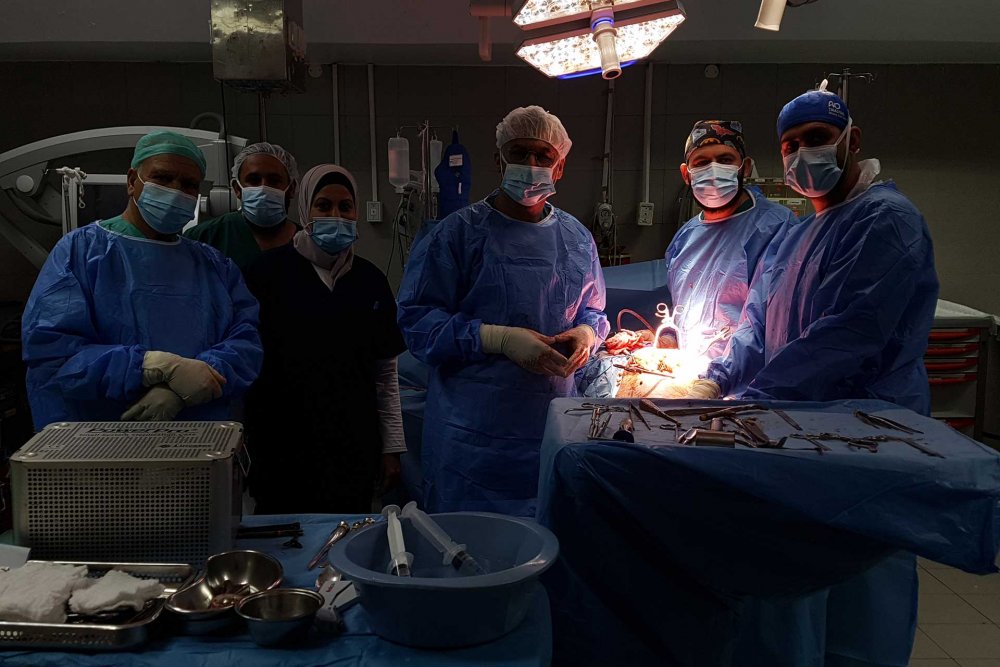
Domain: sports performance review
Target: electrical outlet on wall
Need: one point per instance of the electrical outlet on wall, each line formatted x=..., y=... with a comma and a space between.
x=645, y=214
x=374, y=211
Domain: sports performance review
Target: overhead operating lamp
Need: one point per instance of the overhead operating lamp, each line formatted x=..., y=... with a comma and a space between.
x=568, y=38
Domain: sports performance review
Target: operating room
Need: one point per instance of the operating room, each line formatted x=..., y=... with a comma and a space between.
x=679, y=317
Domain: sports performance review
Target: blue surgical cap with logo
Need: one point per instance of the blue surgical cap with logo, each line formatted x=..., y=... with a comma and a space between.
x=815, y=106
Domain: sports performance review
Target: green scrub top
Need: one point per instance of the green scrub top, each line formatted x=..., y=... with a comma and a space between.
x=121, y=226
x=230, y=235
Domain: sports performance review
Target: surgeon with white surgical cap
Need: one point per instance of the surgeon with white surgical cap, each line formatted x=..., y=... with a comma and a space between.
x=504, y=299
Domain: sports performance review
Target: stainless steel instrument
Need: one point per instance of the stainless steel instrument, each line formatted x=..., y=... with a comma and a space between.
x=129, y=491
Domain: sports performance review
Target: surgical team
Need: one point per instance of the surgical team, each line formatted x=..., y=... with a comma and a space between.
x=282, y=325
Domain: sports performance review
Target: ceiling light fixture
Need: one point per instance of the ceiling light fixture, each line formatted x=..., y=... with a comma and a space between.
x=769, y=17
x=570, y=38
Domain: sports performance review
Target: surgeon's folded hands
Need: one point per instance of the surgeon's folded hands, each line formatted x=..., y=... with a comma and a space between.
x=159, y=404
x=528, y=349
x=580, y=341
x=193, y=380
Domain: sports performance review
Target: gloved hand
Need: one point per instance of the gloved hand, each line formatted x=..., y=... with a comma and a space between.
x=160, y=404
x=192, y=379
x=528, y=349
x=581, y=341
x=704, y=389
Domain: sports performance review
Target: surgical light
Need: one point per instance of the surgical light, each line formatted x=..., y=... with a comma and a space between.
x=602, y=40
x=769, y=17
x=540, y=13
x=603, y=27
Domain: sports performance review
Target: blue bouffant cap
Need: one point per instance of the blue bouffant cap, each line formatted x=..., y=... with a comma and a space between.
x=815, y=106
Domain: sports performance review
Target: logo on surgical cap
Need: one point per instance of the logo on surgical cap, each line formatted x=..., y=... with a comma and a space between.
x=721, y=131
x=834, y=108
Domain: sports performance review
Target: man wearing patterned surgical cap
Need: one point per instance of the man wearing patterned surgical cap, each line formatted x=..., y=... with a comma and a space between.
x=129, y=320
x=716, y=132
x=711, y=259
x=265, y=177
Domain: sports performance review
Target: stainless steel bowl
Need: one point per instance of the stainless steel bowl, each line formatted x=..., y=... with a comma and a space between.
x=280, y=616
x=206, y=606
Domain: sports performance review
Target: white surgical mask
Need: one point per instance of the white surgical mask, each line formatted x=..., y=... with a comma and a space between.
x=164, y=209
x=715, y=185
x=263, y=206
x=528, y=185
x=333, y=234
x=814, y=171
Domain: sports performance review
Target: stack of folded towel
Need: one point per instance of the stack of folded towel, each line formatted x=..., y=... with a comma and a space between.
x=38, y=592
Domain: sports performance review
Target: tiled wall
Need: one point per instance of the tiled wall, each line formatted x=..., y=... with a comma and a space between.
x=933, y=127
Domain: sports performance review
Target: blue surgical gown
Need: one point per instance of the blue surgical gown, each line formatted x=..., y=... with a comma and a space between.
x=841, y=307
x=102, y=300
x=485, y=415
x=709, y=266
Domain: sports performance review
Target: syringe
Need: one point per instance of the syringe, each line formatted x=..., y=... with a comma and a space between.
x=453, y=553
x=400, y=559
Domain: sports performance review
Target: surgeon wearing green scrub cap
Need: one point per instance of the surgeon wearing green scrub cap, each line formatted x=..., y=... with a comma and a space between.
x=128, y=320
x=163, y=183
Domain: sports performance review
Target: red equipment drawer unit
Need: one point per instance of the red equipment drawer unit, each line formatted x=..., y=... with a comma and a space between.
x=957, y=360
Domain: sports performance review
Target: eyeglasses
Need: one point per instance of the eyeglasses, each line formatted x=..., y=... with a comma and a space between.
x=521, y=155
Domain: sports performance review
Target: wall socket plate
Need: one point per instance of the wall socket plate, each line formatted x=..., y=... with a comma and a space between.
x=374, y=211
x=645, y=214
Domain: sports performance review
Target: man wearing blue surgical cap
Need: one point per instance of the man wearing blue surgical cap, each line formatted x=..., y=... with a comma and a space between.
x=711, y=258
x=841, y=308
x=128, y=320
x=504, y=300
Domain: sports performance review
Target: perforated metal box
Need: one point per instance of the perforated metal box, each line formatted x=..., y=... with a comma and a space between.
x=167, y=492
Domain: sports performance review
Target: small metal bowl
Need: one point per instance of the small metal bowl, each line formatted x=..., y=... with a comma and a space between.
x=280, y=616
x=206, y=606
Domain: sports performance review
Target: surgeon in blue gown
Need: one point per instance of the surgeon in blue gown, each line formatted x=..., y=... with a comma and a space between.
x=713, y=256
x=841, y=308
x=504, y=300
x=128, y=320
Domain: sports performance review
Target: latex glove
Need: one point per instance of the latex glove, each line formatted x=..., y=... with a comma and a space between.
x=160, y=404
x=528, y=349
x=581, y=340
x=391, y=471
x=192, y=379
x=704, y=389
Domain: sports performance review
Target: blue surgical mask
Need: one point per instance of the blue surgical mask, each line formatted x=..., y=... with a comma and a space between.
x=333, y=235
x=164, y=209
x=715, y=185
x=263, y=206
x=528, y=185
x=814, y=171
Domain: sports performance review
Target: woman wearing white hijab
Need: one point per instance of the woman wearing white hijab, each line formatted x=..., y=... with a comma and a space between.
x=323, y=420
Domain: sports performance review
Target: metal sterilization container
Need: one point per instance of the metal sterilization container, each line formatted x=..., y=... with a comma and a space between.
x=129, y=491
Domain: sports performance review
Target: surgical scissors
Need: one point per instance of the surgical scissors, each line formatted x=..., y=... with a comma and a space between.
x=879, y=421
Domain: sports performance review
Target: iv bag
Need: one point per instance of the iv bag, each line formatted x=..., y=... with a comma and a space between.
x=399, y=162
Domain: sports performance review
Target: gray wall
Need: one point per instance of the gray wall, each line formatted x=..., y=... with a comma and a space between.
x=933, y=127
